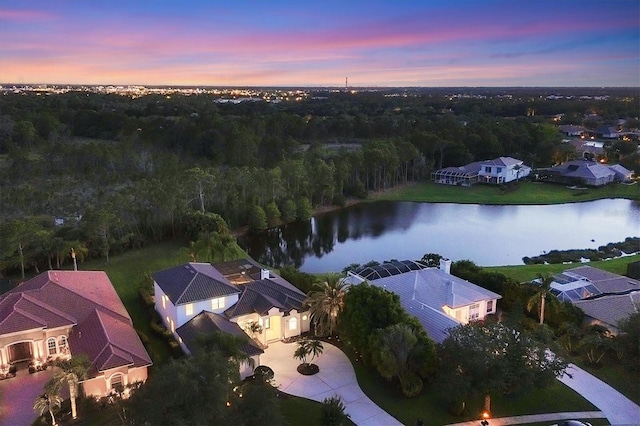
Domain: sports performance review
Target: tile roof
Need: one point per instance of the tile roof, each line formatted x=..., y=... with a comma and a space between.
x=206, y=323
x=262, y=295
x=612, y=308
x=193, y=282
x=108, y=341
x=84, y=300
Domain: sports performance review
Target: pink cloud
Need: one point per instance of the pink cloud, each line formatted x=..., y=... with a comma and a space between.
x=24, y=15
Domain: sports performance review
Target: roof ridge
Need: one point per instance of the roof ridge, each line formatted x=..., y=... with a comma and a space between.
x=50, y=307
x=110, y=343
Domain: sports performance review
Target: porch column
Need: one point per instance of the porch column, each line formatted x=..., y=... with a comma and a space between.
x=38, y=349
x=4, y=358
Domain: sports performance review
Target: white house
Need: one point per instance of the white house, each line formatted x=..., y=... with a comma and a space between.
x=435, y=297
x=502, y=170
x=264, y=305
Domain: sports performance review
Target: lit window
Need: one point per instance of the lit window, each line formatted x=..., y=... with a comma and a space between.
x=266, y=323
x=217, y=303
x=490, y=306
x=164, y=301
x=62, y=342
x=189, y=308
x=51, y=346
x=116, y=382
x=293, y=324
x=474, y=311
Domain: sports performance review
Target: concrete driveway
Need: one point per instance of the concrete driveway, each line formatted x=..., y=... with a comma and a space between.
x=616, y=407
x=336, y=377
x=18, y=395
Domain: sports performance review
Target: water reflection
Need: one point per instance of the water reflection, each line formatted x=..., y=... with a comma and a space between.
x=488, y=235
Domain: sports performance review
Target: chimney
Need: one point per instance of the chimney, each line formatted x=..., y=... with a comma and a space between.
x=445, y=265
x=264, y=274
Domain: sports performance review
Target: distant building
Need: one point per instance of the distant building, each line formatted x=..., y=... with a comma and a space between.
x=584, y=172
x=497, y=171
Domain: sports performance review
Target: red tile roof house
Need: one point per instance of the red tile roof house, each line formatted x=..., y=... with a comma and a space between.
x=199, y=298
x=58, y=314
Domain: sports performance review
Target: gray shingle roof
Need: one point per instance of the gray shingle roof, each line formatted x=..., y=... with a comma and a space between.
x=605, y=282
x=193, y=282
x=206, y=323
x=502, y=161
x=262, y=295
x=611, y=309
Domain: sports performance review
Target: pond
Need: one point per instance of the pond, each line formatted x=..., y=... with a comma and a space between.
x=485, y=234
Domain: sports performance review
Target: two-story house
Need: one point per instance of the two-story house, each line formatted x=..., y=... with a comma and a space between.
x=236, y=295
x=502, y=170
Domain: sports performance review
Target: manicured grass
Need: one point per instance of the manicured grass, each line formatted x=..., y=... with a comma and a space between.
x=126, y=272
x=526, y=193
x=428, y=405
x=522, y=273
x=301, y=411
x=613, y=372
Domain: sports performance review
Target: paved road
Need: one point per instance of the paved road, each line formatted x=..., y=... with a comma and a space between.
x=336, y=377
x=552, y=418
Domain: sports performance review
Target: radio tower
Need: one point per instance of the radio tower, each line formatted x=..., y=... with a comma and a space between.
x=346, y=82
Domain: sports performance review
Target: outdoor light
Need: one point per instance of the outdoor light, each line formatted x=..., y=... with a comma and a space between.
x=304, y=317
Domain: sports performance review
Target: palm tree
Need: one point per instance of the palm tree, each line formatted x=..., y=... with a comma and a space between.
x=541, y=295
x=46, y=402
x=69, y=372
x=326, y=303
x=308, y=347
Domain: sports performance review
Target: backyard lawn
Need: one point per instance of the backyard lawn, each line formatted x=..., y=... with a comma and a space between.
x=527, y=193
x=522, y=273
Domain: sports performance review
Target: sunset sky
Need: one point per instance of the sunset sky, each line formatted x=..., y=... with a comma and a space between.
x=319, y=43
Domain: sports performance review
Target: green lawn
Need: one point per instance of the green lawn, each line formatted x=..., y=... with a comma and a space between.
x=127, y=271
x=522, y=273
x=527, y=193
x=301, y=411
x=428, y=405
x=613, y=372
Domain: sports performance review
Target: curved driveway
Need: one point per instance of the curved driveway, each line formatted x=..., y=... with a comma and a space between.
x=616, y=407
x=336, y=377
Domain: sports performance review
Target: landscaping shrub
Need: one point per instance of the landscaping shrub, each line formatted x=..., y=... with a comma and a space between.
x=146, y=298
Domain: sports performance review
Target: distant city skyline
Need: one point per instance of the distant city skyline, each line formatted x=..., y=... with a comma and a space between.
x=570, y=43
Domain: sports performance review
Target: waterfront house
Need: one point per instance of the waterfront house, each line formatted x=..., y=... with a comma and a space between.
x=502, y=170
x=439, y=300
x=262, y=304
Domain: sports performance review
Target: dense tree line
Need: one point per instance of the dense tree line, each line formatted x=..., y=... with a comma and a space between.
x=123, y=172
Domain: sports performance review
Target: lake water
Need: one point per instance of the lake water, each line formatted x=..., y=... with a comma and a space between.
x=487, y=235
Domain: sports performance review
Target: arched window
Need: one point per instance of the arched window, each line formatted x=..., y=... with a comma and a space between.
x=117, y=382
x=293, y=323
x=51, y=346
x=62, y=343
